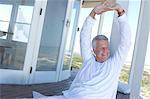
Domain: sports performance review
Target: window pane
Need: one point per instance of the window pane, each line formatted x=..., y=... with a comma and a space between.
x=67, y=60
x=47, y=58
x=13, y=49
x=25, y=14
x=12, y=54
x=21, y=32
x=133, y=13
x=5, y=11
x=4, y=26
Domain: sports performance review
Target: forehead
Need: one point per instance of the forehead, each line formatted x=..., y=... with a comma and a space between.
x=102, y=43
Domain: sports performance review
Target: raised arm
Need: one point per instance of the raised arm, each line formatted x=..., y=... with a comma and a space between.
x=125, y=39
x=85, y=38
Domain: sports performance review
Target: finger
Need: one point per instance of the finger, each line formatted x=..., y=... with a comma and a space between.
x=105, y=2
x=108, y=3
x=110, y=8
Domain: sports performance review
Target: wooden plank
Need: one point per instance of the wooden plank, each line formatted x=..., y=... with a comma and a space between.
x=93, y=3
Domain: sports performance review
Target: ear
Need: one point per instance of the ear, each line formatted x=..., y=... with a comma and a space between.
x=94, y=49
x=94, y=52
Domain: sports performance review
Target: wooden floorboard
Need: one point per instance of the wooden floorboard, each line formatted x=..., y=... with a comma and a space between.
x=25, y=91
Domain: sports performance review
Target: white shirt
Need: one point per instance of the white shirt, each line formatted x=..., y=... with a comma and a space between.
x=99, y=80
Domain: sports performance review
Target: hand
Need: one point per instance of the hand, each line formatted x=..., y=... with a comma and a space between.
x=99, y=9
x=116, y=7
x=106, y=6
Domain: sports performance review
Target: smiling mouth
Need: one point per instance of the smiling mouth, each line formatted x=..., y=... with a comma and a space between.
x=104, y=58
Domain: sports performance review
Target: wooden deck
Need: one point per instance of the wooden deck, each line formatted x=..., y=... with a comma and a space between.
x=25, y=91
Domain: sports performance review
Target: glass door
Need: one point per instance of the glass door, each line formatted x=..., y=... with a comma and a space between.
x=48, y=43
x=15, y=40
x=69, y=43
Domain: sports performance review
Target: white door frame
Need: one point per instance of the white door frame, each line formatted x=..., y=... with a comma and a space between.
x=33, y=50
x=47, y=76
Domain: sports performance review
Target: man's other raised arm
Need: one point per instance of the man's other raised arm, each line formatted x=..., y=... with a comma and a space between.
x=85, y=37
x=125, y=40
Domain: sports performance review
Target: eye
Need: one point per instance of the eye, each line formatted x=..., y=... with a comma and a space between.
x=105, y=48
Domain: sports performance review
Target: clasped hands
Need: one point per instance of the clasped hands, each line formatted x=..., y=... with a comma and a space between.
x=107, y=6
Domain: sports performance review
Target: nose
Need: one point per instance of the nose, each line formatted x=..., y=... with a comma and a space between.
x=104, y=52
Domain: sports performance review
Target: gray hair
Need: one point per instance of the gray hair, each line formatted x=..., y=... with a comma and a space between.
x=98, y=37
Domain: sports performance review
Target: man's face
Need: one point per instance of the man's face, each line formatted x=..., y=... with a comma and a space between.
x=102, y=50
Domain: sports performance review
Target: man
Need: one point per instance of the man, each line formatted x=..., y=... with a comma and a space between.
x=98, y=78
